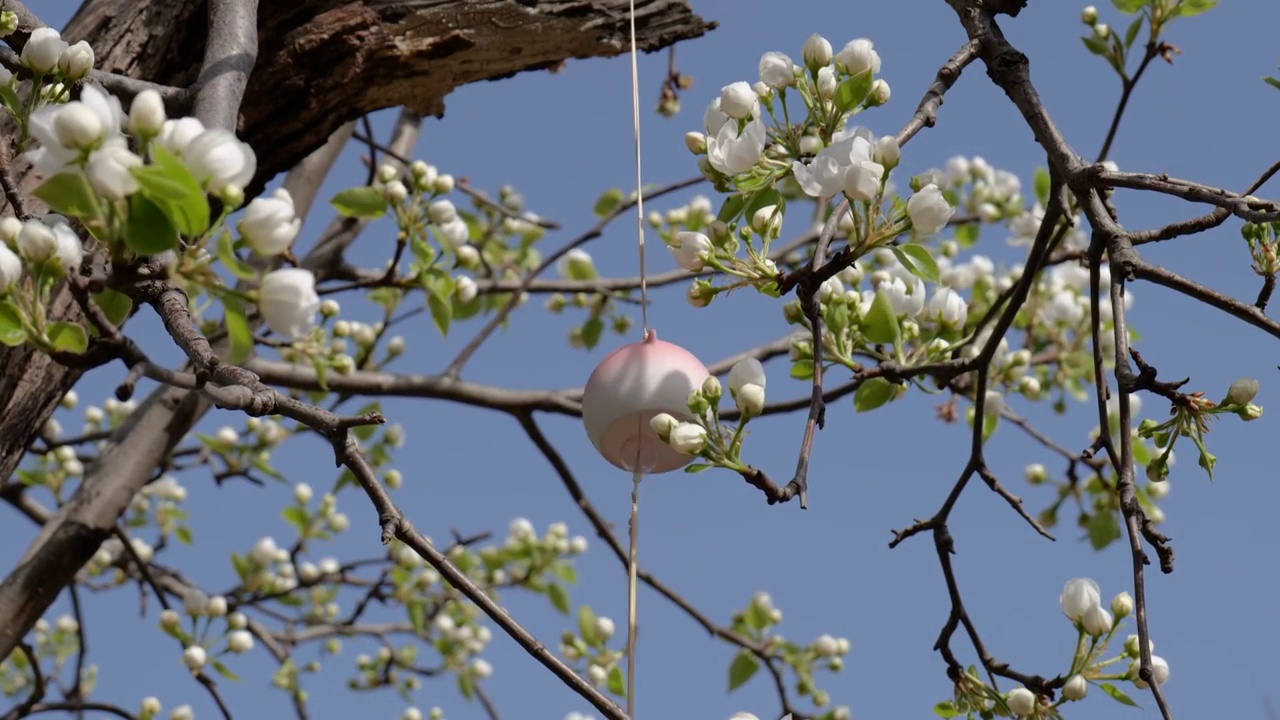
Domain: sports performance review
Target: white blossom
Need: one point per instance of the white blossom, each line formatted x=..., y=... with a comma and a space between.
x=929, y=211
x=858, y=56
x=194, y=658
x=732, y=153
x=1078, y=595
x=777, y=70
x=76, y=61
x=10, y=269
x=739, y=101
x=688, y=438
x=270, y=224
x=146, y=114
x=948, y=308
x=1075, y=688
x=219, y=160
x=746, y=371
x=108, y=170
x=43, y=48
x=1159, y=672
x=288, y=301
x=1021, y=701
x=690, y=250
x=816, y=51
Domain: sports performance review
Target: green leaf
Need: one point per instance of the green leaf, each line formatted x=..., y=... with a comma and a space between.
x=763, y=199
x=1190, y=8
x=1042, y=184
x=873, y=393
x=418, y=615
x=967, y=234
x=9, y=97
x=757, y=617
x=1128, y=7
x=559, y=597
x=697, y=468
x=466, y=686
x=853, y=92
x=802, y=370
x=68, y=337
x=149, y=230
x=224, y=671
x=617, y=685
x=1273, y=82
x=1117, y=694
x=592, y=329
x=11, y=332
x=917, y=260
x=744, y=666
x=587, y=625
x=69, y=193
x=607, y=202
x=1132, y=33
x=179, y=194
x=1096, y=45
x=732, y=207
x=115, y=305
x=184, y=534
x=946, y=709
x=441, y=312
x=296, y=516
x=227, y=254
x=363, y=202
x=881, y=323
x=238, y=330
x=1103, y=529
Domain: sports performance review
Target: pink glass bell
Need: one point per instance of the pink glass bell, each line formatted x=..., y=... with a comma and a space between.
x=627, y=389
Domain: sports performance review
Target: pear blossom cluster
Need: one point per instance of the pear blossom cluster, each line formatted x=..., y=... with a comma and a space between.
x=705, y=436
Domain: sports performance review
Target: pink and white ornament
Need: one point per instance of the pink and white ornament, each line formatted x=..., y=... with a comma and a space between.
x=627, y=389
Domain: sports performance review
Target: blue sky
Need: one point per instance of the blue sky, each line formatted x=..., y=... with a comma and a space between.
x=561, y=140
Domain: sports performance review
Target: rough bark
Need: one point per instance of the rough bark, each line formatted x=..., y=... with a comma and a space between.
x=320, y=64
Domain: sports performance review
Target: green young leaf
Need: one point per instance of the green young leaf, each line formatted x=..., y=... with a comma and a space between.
x=1042, y=184
x=697, y=468
x=183, y=534
x=881, y=324
x=466, y=686
x=68, y=337
x=9, y=98
x=587, y=625
x=1117, y=694
x=224, y=671
x=592, y=329
x=296, y=516
x=1128, y=7
x=366, y=203
x=946, y=709
x=1131, y=34
x=1103, y=529
x=1273, y=82
x=418, y=615
x=763, y=199
x=967, y=234
x=149, y=229
x=115, y=305
x=238, y=330
x=227, y=254
x=731, y=208
x=441, y=312
x=1096, y=45
x=1191, y=8
x=873, y=393
x=917, y=260
x=617, y=685
x=183, y=199
x=744, y=665
x=853, y=92
x=559, y=597
x=11, y=332
x=69, y=194
x=757, y=617
x=802, y=370
x=607, y=202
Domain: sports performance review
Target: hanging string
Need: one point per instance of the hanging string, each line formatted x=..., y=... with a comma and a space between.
x=635, y=120
x=646, y=332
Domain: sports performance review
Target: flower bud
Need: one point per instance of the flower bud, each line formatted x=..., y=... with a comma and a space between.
x=826, y=82
x=76, y=61
x=688, y=438
x=663, y=424
x=1122, y=605
x=444, y=184
x=711, y=389
x=767, y=220
x=880, y=93
x=696, y=142
x=1096, y=621
x=1101, y=31
x=194, y=658
x=42, y=50
x=1075, y=688
x=395, y=191
x=750, y=400
x=738, y=100
x=816, y=52
x=1036, y=474
x=1242, y=391
x=1021, y=701
x=1089, y=15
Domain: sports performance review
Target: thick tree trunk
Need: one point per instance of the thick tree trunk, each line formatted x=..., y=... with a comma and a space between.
x=320, y=64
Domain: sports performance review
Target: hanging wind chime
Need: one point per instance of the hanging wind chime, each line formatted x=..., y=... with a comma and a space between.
x=630, y=387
